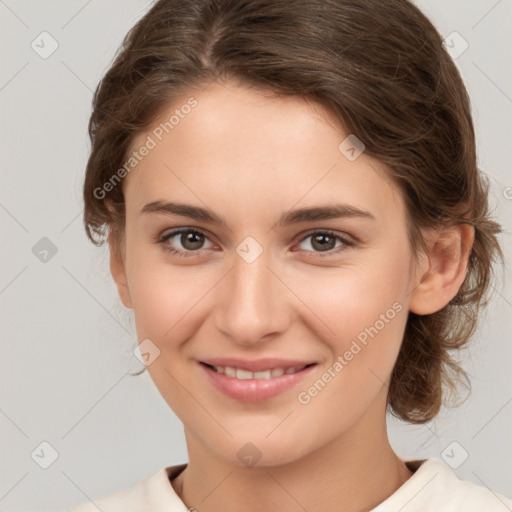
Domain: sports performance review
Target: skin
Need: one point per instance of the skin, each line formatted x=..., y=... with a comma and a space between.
x=249, y=156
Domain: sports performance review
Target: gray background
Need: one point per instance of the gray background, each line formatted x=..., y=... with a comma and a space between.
x=67, y=341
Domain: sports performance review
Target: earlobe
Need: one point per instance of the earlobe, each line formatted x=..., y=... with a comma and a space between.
x=446, y=270
x=118, y=269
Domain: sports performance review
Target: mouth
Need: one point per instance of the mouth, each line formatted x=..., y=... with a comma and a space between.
x=242, y=374
x=259, y=385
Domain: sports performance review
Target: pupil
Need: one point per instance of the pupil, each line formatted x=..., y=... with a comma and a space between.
x=323, y=246
x=191, y=241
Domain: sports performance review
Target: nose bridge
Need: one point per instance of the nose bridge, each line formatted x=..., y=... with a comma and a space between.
x=251, y=307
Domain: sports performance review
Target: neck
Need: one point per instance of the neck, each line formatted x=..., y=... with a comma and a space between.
x=355, y=471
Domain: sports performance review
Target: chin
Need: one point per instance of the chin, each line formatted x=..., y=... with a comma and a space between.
x=259, y=452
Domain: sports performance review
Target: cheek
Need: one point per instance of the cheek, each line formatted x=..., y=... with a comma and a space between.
x=347, y=300
x=369, y=321
x=362, y=312
x=161, y=294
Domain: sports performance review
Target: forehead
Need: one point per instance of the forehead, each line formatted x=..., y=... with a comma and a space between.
x=254, y=150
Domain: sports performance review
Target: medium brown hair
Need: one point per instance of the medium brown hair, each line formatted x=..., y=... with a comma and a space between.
x=380, y=67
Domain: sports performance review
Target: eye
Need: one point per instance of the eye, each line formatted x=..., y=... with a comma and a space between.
x=326, y=242
x=191, y=241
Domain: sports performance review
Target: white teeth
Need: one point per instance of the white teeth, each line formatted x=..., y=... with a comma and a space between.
x=230, y=372
x=262, y=375
x=277, y=372
x=238, y=373
x=244, y=374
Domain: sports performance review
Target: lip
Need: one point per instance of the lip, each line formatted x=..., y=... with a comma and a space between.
x=255, y=390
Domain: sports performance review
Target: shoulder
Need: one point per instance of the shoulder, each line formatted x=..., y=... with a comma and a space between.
x=154, y=493
x=435, y=487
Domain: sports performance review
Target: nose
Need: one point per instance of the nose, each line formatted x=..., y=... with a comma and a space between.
x=253, y=303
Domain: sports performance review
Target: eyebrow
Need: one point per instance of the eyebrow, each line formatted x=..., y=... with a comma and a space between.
x=309, y=214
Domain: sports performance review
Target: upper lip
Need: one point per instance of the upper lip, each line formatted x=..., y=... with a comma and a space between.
x=256, y=365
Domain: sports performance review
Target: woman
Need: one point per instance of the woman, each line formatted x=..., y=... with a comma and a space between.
x=294, y=213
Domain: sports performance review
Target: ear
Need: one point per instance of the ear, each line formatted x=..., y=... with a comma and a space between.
x=118, y=267
x=448, y=254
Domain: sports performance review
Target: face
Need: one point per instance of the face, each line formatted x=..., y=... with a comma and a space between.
x=252, y=279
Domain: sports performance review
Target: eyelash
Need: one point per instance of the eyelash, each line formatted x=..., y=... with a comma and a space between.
x=347, y=243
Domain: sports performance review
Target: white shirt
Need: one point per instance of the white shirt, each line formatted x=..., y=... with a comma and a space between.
x=433, y=487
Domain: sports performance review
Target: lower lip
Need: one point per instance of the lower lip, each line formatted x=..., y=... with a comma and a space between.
x=255, y=390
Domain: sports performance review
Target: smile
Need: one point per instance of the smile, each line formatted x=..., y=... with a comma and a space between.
x=238, y=373
x=254, y=386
